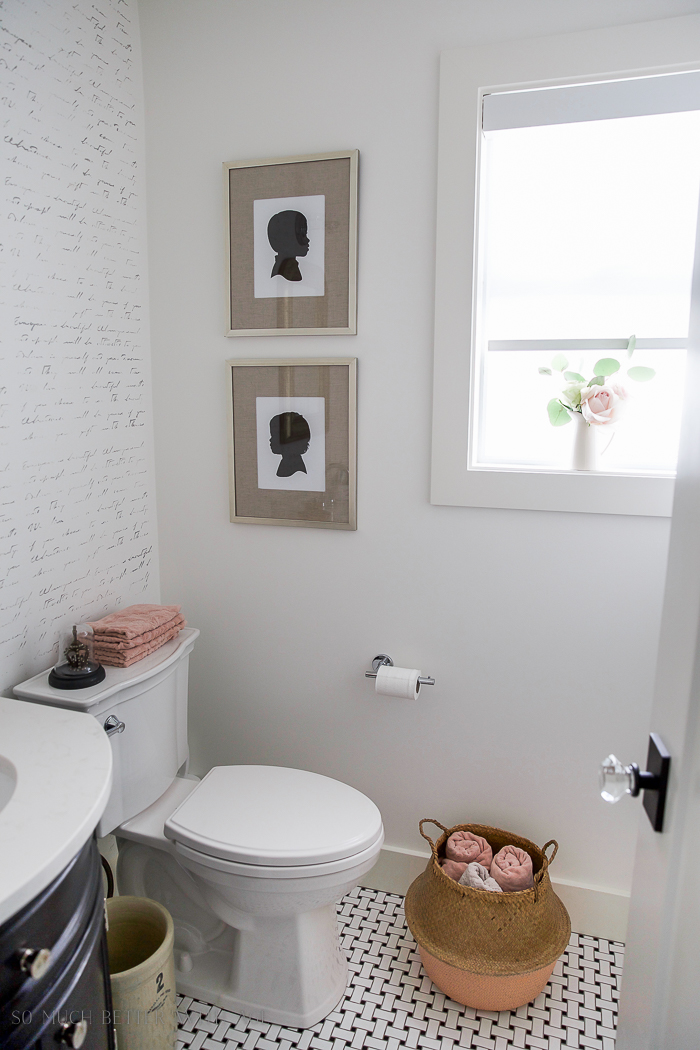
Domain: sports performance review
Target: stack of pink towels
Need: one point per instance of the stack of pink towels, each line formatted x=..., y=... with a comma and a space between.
x=124, y=637
x=469, y=860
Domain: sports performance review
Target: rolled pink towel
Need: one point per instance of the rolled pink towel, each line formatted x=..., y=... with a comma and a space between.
x=453, y=868
x=512, y=869
x=466, y=848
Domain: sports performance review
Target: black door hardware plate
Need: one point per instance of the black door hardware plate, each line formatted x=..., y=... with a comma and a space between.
x=658, y=763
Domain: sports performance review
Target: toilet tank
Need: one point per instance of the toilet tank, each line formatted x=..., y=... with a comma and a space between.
x=150, y=699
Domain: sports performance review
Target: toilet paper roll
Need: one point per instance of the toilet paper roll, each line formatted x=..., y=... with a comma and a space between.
x=398, y=681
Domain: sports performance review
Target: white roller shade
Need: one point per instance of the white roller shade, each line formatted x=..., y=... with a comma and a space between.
x=641, y=96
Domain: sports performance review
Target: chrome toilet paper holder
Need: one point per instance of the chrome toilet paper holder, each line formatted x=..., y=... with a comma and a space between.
x=382, y=660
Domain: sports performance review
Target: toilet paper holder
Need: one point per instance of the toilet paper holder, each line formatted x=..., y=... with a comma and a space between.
x=382, y=660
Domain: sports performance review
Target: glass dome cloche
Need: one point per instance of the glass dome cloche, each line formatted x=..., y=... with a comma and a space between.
x=77, y=667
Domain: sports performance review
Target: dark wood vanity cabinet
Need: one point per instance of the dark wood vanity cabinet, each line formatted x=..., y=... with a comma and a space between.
x=54, y=974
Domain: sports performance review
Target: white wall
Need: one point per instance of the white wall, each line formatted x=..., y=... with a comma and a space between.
x=540, y=628
x=77, y=516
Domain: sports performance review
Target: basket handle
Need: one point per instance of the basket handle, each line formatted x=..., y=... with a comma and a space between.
x=552, y=842
x=430, y=820
x=547, y=861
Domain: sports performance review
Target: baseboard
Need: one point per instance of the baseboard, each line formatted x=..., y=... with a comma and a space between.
x=599, y=913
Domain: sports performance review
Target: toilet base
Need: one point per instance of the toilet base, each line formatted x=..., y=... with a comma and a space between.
x=209, y=980
x=287, y=969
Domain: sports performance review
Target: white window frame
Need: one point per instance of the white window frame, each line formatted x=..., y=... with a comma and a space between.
x=466, y=75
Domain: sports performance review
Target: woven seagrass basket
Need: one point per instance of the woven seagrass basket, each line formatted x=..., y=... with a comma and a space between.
x=492, y=951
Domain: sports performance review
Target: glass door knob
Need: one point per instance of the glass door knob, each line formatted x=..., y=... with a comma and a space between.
x=615, y=780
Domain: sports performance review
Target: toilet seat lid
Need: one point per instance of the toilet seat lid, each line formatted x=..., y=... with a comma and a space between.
x=274, y=816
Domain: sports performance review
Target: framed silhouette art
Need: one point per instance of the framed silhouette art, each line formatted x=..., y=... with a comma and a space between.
x=292, y=441
x=291, y=234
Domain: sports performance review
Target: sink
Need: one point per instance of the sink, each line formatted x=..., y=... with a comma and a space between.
x=55, y=779
x=8, y=781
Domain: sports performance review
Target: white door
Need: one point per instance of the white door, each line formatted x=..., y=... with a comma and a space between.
x=660, y=1004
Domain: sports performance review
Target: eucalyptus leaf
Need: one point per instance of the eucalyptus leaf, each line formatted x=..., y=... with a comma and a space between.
x=558, y=415
x=574, y=377
x=606, y=366
x=545, y=371
x=559, y=363
x=597, y=381
x=631, y=343
x=640, y=374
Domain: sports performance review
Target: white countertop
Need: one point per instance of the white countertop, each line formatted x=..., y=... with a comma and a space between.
x=56, y=768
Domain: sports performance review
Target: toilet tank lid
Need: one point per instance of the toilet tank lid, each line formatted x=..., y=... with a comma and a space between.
x=117, y=679
x=274, y=816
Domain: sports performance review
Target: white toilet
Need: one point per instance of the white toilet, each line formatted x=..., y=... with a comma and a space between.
x=249, y=861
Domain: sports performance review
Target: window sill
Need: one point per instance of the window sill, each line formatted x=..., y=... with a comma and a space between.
x=575, y=491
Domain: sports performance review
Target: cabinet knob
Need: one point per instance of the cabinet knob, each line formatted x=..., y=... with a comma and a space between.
x=73, y=1034
x=34, y=962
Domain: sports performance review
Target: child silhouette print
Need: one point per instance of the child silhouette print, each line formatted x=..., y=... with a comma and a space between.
x=293, y=428
x=290, y=437
x=287, y=232
x=289, y=237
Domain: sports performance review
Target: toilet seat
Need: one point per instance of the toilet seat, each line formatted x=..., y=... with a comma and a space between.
x=296, y=871
x=272, y=817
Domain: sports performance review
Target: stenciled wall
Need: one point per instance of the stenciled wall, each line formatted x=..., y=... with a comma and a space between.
x=77, y=523
x=540, y=628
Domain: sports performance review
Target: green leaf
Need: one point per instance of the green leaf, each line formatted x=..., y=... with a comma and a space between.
x=545, y=371
x=631, y=343
x=606, y=366
x=641, y=374
x=574, y=377
x=559, y=363
x=597, y=381
x=558, y=415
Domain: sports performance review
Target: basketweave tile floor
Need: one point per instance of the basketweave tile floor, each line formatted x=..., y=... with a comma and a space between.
x=390, y=1003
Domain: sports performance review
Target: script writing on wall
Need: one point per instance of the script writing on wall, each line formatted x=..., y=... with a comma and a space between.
x=76, y=526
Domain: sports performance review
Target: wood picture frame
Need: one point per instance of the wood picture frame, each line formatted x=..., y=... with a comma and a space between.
x=293, y=441
x=291, y=245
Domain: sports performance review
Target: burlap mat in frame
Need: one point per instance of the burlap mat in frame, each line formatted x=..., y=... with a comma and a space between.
x=486, y=933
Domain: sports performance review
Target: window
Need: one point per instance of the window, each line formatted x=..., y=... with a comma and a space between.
x=586, y=205
x=587, y=233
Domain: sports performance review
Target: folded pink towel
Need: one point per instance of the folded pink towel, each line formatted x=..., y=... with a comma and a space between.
x=453, y=868
x=512, y=869
x=128, y=657
x=467, y=849
x=477, y=877
x=135, y=620
x=116, y=645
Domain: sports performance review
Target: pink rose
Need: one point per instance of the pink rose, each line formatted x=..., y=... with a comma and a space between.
x=602, y=404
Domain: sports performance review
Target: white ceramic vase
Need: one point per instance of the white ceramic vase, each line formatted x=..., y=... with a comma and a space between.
x=585, y=444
